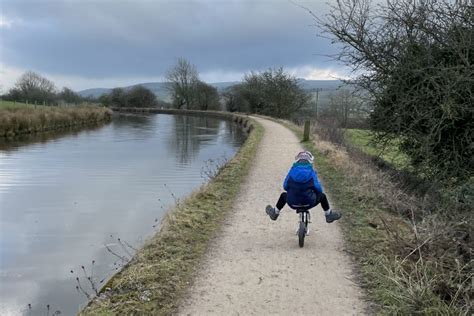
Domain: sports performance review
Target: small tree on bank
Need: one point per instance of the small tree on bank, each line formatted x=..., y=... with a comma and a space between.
x=69, y=96
x=138, y=96
x=182, y=79
x=272, y=92
x=235, y=100
x=31, y=87
x=206, y=97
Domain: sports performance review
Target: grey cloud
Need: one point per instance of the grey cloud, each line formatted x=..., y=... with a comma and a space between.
x=143, y=38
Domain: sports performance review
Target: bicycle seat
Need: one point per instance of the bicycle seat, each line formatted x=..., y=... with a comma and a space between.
x=300, y=207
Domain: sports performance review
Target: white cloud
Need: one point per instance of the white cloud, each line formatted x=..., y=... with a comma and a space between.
x=9, y=75
x=221, y=76
x=313, y=73
x=6, y=23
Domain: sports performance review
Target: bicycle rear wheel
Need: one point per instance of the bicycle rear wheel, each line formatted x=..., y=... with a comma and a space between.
x=301, y=234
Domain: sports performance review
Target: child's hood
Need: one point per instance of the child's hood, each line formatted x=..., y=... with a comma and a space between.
x=301, y=172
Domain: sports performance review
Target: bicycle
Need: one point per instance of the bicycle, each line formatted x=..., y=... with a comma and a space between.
x=305, y=219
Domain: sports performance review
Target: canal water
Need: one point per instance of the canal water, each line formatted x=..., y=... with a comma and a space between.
x=89, y=199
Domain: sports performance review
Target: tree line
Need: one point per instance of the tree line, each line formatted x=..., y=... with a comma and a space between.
x=33, y=88
x=272, y=92
x=137, y=96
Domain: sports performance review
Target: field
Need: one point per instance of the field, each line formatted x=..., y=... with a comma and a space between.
x=10, y=105
x=362, y=139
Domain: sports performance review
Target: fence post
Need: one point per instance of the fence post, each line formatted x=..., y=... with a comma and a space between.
x=306, y=131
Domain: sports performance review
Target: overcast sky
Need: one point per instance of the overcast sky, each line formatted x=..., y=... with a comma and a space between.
x=106, y=43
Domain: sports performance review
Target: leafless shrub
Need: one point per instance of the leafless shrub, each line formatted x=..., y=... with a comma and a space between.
x=328, y=128
x=212, y=167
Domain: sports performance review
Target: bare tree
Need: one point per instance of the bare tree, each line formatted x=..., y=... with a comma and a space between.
x=182, y=79
x=344, y=105
x=33, y=87
x=415, y=60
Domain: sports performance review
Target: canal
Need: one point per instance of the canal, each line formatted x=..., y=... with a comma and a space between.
x=75, y=207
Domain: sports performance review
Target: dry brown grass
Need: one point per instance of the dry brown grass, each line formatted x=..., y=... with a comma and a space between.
x=414, y=252
x=28, y=120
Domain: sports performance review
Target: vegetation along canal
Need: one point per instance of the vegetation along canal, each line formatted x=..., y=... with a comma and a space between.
x=77, y=206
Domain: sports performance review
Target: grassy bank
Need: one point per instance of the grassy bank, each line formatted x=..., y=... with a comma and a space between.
x=10, y=104
x=412, y=259
x=160, y=272
x=362, y=139
x=17, y=120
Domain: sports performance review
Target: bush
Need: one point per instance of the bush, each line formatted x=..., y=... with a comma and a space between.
x=415, y=60
x=138, y=96
x=272, y=92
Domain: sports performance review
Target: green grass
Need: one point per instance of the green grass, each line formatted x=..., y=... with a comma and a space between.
x=10, y=105
x=362, y=139
x=155, y=280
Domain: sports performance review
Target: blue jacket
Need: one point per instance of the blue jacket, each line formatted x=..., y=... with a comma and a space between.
x=302, y=185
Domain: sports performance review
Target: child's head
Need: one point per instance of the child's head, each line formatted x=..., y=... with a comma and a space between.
x=304, y=156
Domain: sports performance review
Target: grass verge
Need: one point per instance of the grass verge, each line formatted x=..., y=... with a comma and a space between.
x=362, y=139
x=407, y=265
x=158, y=275
x=10, y=104
x=29, y=120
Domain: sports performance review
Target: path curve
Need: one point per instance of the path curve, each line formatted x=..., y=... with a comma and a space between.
x=255, y=267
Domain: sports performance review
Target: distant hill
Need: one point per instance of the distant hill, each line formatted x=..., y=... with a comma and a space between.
x=159, y=88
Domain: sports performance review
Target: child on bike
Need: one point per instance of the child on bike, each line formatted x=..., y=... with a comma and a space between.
x=303, y=189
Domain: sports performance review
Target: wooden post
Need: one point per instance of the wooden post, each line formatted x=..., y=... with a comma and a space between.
x=306, y=131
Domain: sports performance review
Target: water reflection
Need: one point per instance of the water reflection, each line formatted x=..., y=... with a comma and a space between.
x=11, y=143
x=63, y=201
x=134, y=122
x=190, y=133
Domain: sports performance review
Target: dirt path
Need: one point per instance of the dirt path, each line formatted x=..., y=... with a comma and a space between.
x=255, y=266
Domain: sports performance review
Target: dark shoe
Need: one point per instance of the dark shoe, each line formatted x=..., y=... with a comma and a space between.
x=333, y=216
x=272, y=212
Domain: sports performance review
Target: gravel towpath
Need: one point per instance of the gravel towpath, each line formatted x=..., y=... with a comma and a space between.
x=255, y=266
